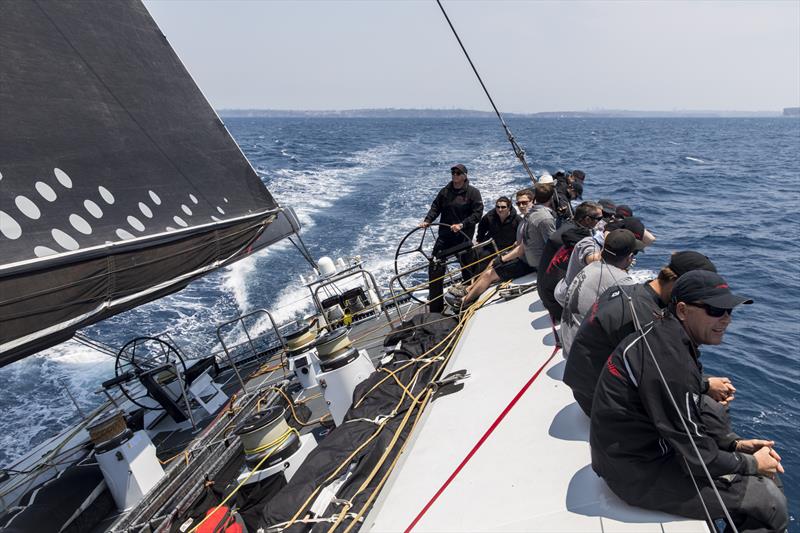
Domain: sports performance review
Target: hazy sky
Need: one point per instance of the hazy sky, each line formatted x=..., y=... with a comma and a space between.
x=533, y=56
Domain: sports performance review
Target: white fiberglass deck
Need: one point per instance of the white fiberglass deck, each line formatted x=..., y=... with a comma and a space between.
x=468, y=468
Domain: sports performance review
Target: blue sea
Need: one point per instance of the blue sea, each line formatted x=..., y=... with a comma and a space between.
x=729, y=188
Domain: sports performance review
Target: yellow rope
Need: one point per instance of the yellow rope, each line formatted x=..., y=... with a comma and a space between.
x=271, y=444
x=244, y=481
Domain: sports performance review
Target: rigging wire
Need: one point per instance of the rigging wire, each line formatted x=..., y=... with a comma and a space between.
x=518, y=151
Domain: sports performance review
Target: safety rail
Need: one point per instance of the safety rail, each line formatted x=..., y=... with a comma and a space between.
x=275, y=328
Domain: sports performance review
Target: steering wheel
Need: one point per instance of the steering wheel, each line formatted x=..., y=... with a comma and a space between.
x=142, y=354
x=418, y=249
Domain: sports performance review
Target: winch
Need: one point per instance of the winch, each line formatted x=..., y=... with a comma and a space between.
x=127, y=459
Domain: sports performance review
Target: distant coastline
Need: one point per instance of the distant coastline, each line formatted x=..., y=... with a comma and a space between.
x=469, y=113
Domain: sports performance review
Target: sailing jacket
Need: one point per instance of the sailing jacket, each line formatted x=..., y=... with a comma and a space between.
x=503, y=232
x=609, y=321
x=457, y=206
x=636, y=433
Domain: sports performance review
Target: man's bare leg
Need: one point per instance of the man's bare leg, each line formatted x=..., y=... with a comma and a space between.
x=481, y=284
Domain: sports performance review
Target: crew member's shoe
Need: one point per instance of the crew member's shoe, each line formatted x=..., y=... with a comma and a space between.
x=458, y=289
x=453, y=301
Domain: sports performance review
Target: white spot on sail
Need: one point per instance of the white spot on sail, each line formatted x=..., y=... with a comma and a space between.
x=179, y=221
x=106, y=194
x=63, y=178
x=146, y=211
x=215, y=219
x=46, y=191
x=221, y=211
x=136, y=223
x=170, y=228
x=124, y=235
x=80, y=224
x=155, y=198
x=93, y=208
x=225, y=200
x=43, y=251
x=27, y=207
x=185, y=209
x=193, y=198
x=9, y=227
x=64, y=240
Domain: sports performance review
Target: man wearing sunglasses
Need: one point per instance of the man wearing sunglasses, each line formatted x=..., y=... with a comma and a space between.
x=460, y=205
x=647, y=433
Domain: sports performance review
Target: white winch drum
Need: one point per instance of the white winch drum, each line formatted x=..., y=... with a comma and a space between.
x=333, y=343
x=301, y=337
x=262, y=428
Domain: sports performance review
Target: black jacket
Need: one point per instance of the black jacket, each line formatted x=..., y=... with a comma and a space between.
x=504, y=233
x=636, y=433
x=609, y=322
x=457, y=206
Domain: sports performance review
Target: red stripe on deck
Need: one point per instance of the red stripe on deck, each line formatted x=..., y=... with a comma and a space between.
x=477, y=446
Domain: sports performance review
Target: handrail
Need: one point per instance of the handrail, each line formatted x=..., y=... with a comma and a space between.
x=350, y=272
x=241, y=318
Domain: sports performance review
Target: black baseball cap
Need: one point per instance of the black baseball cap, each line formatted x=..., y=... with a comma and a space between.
x=686, y=261
x=624, y=211
x=706, y=287
x=460, y=167
x=621, y=242
x=632, y=224
x=609, y=207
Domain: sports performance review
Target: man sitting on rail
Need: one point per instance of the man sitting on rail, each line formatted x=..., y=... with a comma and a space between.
x=647, y=435
x=500, y=225
x=620, y=246
x=533, y=232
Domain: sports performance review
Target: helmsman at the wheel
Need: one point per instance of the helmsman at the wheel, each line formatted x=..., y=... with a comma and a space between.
x=460, y=205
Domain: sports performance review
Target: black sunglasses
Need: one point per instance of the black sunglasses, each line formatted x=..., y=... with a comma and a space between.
x=501, y=207
x=523, y=202
x=712, y=311
x=456, y=172
x=595, y=217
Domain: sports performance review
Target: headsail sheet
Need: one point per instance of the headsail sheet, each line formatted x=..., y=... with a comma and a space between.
x=118, y=181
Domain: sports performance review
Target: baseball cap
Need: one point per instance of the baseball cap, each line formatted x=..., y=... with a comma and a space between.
x=621, y=242
x=632, y=224
x=706, y=287
x=686, y=261
x=545, y=178
x=578, y=174
x=624, y=211
x=460, y=167
x=609, y=207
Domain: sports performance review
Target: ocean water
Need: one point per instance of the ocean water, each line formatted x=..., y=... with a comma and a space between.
x=729, y=188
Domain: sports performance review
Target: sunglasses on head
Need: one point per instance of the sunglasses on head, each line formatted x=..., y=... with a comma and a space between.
x=456, y=172
x=711, y=311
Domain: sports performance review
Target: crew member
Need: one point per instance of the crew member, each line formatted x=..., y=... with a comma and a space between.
x=553, y=262
x=537, y=226
x=647, y=436
x=458, y=204
x=500, y=225
x=620, y=247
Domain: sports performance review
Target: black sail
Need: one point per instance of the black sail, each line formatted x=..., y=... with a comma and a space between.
x=118, y=182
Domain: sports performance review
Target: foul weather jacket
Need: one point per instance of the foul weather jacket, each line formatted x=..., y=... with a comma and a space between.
x=503, y=232
x=457, y=206
x=609, y=321
x=636, y=434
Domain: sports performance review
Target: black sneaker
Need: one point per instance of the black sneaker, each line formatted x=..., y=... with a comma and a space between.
x=453, y=301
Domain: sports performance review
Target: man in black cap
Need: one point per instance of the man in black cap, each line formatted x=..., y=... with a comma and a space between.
x=611, y=320
x=460, y=205
x=620, y=246
x=647, y=434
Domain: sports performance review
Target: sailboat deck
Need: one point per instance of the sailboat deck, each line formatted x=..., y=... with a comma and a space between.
x=510, y=451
